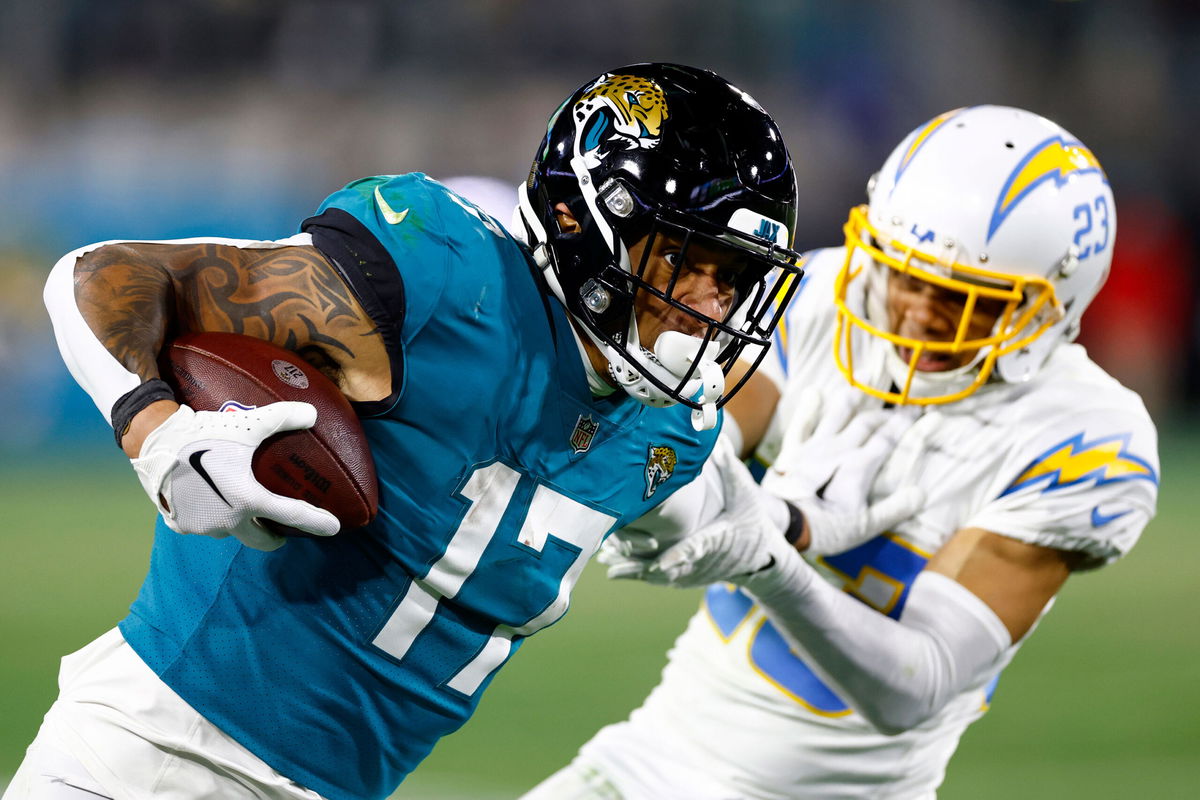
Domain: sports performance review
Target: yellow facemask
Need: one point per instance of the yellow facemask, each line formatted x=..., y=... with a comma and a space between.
x=1029, y=308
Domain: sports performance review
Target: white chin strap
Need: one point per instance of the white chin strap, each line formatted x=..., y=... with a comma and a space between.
x=673, y=356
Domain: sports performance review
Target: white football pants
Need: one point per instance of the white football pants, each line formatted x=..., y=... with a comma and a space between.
x=117, y=731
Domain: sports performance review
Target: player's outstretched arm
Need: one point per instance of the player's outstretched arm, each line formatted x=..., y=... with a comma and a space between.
x=977, y=596
x=114, y=304
x=749, y=412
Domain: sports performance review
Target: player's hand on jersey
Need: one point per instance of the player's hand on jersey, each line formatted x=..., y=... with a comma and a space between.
x=629, y=551
x=743, y=545
x=635, y=552
x=830, y=456
x=196, y=468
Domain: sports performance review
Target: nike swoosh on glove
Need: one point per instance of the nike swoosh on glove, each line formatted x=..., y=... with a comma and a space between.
x=196, y=469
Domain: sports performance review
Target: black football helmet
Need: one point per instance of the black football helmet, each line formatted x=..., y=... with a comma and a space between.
x=664, y=150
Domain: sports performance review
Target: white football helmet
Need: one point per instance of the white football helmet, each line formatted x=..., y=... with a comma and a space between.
x=994, y=203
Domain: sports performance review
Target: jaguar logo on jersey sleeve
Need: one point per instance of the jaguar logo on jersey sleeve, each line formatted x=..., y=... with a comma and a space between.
x=619, y=112
x=660, y=465
x=1074, y=461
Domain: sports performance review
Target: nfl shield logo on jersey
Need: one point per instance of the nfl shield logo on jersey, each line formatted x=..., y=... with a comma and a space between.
x=660, y=465
x=581, y=437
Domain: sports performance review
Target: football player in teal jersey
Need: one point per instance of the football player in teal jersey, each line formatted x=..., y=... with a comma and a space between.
x=522, y=400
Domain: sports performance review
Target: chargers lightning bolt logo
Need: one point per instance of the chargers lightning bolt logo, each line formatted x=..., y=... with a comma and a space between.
x=1054, y=159
x=919, y=139
x=1104, y=460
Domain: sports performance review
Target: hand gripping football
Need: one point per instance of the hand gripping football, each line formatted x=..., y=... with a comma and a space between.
x=328, y=465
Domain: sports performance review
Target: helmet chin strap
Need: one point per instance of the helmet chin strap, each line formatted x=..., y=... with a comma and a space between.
x=672, y=358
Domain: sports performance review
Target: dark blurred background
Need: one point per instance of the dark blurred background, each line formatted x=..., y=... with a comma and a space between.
x=141, y=119
x=134, y=119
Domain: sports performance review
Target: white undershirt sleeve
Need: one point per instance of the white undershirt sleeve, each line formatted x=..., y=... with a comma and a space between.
x=103, y=377
x=732, y=431
x=896, y=673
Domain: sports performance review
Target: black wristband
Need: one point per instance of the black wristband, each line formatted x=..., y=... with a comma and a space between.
x=795, y=526
x=130, y=403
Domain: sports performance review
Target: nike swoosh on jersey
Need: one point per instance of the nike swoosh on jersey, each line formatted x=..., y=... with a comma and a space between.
x=194, y=460
x=1100, y=520
x=391, y=216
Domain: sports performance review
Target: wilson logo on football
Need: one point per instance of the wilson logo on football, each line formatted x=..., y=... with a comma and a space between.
x=289, y=373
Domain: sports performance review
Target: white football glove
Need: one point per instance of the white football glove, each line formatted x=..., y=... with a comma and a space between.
x=195, y=467
x=743, y=545
x=628, y=552
x=830, y=457
x=632, y=551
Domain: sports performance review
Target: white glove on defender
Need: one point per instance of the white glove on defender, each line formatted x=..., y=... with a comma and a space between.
x=629, y=551
x=743, y=545
x=195, y=467
x=827, y=464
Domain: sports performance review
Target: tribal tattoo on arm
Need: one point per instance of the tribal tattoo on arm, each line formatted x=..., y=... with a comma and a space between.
x=135, y=296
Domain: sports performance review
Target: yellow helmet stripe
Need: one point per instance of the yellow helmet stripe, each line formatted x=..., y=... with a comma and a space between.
x=922, y=136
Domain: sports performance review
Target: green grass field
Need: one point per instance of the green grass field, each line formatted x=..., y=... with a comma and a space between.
x=1103, y=702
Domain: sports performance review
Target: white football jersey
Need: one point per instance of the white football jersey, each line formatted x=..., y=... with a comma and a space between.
x=1067, y=460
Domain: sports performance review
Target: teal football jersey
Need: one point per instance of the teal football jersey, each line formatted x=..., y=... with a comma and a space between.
x=341, y=662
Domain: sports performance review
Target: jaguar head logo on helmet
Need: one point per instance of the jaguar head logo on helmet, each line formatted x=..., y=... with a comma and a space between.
x=1003, y=222
x=621, y=112
x=648, y=176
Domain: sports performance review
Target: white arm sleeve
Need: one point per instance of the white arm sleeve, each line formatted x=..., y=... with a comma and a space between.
x=91, y=365
x=896, y=673
x=731, y=431
x=103, y=377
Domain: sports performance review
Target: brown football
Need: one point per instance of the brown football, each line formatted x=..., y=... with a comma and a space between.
x=328, y=465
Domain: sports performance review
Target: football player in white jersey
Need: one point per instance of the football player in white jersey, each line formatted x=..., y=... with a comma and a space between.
x=949, y=458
